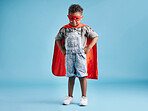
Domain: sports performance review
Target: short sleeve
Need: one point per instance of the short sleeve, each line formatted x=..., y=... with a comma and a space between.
x=90, y=33
x=60, y=34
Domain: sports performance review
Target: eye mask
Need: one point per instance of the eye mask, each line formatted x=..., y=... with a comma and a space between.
x=76, y=18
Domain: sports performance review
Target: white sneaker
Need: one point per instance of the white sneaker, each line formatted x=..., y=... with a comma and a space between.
x=68, y=100
x=84, y=101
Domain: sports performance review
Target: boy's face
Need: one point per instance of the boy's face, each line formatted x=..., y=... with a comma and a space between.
x=75, y=18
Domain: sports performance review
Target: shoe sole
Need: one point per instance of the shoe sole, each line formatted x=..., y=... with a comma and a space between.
x=69, y=103
x=83, y=104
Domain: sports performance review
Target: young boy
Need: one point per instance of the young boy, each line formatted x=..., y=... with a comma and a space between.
x=75, y=49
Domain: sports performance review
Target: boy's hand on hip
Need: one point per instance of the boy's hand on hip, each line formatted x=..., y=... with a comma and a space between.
x=86, y=50
x=63, y=51
x=92, y=43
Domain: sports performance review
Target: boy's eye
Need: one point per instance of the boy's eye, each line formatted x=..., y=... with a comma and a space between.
x=77, y=18
x=71, y=17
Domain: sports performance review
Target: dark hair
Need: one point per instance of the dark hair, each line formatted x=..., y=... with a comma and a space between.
x=75, y=8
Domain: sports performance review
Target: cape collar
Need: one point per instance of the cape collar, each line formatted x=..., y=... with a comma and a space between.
x=70, y=26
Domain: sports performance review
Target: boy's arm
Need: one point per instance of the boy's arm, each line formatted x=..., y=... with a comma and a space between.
x=92, y=43
x=60, y=46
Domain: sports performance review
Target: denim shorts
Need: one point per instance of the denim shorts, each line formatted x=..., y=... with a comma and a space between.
x=75, y=62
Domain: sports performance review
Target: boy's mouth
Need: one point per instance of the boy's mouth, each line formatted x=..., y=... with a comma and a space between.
x=74, y=24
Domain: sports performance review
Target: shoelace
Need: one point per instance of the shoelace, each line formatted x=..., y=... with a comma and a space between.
x=83, y=98
x=67, y=97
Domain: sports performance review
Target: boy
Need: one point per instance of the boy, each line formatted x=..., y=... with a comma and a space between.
x=74, y=48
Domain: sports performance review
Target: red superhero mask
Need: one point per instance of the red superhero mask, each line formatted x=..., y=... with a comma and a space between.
x=76, y=18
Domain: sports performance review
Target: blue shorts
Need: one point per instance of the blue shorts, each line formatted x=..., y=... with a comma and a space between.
x=75, y=63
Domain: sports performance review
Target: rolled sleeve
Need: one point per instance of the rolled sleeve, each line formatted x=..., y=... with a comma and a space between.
x=90, y=33
x=60, y=34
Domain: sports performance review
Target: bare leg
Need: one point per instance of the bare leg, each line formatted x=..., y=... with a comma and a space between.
x=71, y=82
x=83, y=83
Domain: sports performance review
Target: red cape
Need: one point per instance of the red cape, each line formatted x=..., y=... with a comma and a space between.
x=58, y=61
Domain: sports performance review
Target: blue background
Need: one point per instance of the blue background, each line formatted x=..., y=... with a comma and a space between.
x=27, y=31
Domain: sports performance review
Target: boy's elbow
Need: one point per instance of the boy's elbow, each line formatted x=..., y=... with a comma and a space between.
x=57, y=40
